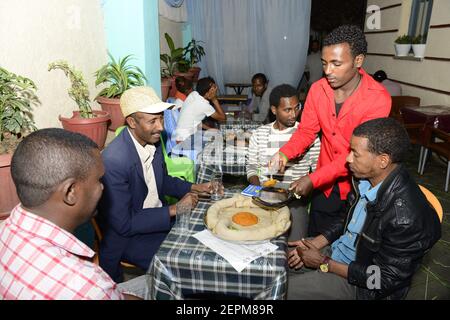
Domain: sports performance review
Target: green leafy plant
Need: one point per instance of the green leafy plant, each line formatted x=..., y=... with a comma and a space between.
x=119, y=76
x=404, y=39
x=17, y=99
x=79, y=91
x=194, y=52
x=172, y=61
x=418, y=40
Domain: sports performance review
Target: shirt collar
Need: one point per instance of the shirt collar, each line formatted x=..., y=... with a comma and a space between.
x=366, y=190
x=45, y=229
x=145, y=153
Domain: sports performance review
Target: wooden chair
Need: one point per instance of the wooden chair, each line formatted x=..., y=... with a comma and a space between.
x=416, y=133
x=398, y=102
x=98, y=238
x=433, y=200
x=440, y=147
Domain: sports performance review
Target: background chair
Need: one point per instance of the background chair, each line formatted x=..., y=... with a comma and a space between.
x=98, y=239
x=398, y=102
x=433, y=200
x=440, y=147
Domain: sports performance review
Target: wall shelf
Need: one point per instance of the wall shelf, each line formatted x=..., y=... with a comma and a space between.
x=409, y=58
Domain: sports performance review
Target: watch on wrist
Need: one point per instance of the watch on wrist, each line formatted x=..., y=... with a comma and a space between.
x=324, y=267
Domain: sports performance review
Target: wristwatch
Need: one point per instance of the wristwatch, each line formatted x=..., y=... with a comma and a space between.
x=324, y=265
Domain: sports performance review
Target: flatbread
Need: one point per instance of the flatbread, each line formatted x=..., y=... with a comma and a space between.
x=270, y=224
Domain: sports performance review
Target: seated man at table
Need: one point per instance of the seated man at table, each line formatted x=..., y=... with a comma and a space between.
x=133, y=214
x=57, y=175
x=267, y=139
x=259, y=106
x=389, y=228
x=197, y=107
x=184, y=88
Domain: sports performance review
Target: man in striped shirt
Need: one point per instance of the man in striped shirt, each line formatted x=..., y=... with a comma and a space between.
x=57, y=174
x=269, y=138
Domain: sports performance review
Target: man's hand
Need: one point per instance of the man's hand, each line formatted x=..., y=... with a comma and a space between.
x=311, y=256
x=254, y=180
x=302, y=186
x=294, y=260
x=190, y=199
x=277, y=163
x=202, y=188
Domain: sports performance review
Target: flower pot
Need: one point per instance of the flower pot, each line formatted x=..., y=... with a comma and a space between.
x=113, y=107
x=8, y=195
x=419, y=50
x=196, y=72
x=402, y=50
x=165, y=88
x=94, y=128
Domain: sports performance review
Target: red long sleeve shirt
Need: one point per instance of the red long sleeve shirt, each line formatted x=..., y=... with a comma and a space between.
x=370, y=101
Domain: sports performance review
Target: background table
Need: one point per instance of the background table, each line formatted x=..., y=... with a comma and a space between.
x=184, y=266
x=436, y=115
x=232, y=98
x=238, y=87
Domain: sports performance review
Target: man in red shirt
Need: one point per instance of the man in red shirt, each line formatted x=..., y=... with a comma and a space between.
x=335, y=105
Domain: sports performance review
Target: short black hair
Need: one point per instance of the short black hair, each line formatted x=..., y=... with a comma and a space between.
x=46, y=158
x=260, y=76
x=183, y=84
x=380, y=76
x=281, y=91
x=385, y=135
x=351, y=34
x=204, y=84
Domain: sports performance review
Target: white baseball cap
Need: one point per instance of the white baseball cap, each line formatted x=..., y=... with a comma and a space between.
x=142, y=99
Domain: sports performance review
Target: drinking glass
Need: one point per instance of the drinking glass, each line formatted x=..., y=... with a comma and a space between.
x=183, y=216
x=216, y=183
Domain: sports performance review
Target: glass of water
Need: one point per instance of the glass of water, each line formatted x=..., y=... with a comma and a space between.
x=216, y=184
x=183, y=216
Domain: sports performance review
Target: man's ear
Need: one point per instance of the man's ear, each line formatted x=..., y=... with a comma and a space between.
x=385, y=160
x=131, y=122
x=274, y=110
x=68, y=191
x=359, y=60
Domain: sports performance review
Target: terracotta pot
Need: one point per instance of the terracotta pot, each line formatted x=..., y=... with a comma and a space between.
x=8, y=195
x=165, y=88
x=95, y=128
x=113, y=107
x=195, y=73
x=173, y=88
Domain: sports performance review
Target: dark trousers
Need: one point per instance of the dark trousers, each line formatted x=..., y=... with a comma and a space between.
x=326, y=211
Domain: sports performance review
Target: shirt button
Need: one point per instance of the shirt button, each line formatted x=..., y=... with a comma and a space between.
x=334, y=133
x=350, y=235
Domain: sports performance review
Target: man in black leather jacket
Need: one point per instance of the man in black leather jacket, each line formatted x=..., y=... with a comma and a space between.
x=389, y=228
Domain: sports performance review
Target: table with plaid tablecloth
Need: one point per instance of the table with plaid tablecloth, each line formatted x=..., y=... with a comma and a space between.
x=184, y=267
x=226, y=156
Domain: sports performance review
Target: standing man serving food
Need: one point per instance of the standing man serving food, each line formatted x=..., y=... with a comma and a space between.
x=335, y=105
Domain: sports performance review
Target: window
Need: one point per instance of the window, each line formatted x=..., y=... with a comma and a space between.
x=419, y=21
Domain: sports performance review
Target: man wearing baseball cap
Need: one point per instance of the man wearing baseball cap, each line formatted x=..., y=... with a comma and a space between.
x=133, y=215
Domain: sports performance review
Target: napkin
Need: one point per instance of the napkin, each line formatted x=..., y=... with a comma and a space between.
x=238, y=255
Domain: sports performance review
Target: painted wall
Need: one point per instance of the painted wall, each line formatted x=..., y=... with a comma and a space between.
x=34, y=33
x=174, y=29
x=427, y=73
x=132, y=28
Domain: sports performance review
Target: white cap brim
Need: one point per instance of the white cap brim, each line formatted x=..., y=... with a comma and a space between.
x=156, y=108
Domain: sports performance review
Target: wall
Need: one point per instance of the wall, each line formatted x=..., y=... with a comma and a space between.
x=430, y=73
x=174, y=29
x=132, y=28
x=35, y=33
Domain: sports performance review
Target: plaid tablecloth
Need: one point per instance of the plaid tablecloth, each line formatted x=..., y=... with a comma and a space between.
x=226, y=156
x=184, y=266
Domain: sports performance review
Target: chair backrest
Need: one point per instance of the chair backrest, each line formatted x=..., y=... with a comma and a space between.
x=398, y=102
x=433, y=201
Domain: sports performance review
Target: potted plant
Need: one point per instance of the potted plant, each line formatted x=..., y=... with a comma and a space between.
x=17, y=99
x=119, y=76
x=172, y=64
x=194, y=52
x=93, y=124
x=418, y=46
x=402, y=45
